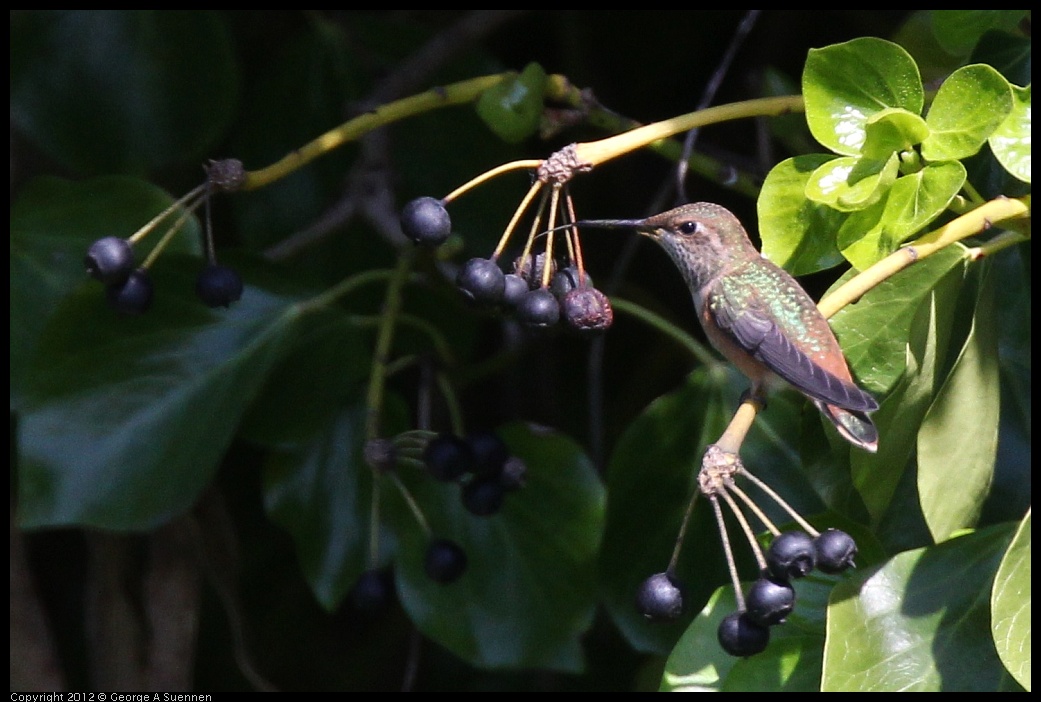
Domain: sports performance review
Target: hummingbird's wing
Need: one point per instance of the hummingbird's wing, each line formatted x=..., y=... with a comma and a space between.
x=758, y=335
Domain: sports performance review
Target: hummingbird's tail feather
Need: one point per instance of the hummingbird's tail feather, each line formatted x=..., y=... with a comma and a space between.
x=855, y=427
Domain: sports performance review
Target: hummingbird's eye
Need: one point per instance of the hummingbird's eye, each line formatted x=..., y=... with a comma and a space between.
x=689, y=227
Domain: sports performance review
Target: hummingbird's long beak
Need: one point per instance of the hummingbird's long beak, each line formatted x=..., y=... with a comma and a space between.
x=639, y=225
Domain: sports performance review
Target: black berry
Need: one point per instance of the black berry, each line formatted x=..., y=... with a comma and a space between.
x=740, y=636
x=660, y=598
x=133, y=295
x=835, y=551
x=448, y=457
x=445, y=561
x=539, y=309
x=110, y=260
x=490, y=452
x=514, y=289
x=481, y=281
x=769, y=601
x=372, y=592
x=587, y=310
x=425, y=221
x=567, y=279
x=791, y=555
x=218, y=286
x=483, y=496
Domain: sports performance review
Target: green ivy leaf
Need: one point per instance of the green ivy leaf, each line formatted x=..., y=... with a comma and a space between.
x=963, y=423
x=529, y=590
x=932, y=305
x=1010, y=605
x=970, y=105
x=940, y=635
x=798, y=234
x=846, y=84
x=159, y=89
x=53, y=222
x=848, y=183
x=912, y=202
x=875, y=330
x=959, y=30
x=1010, y=142
x=512, y=108
x=322, y=370
x=321, y=493
x=891, y=131
x=126, y=419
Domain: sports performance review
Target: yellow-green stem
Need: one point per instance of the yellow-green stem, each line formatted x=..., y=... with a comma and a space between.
x=377, y=374
x=596, y=152
x=531, y=163
x=508, y=232
x=171, y=233
x=969, y=224
x=454, y=94
x=197, y=192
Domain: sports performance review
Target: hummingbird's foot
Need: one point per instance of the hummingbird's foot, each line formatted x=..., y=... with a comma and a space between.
x=754, y=395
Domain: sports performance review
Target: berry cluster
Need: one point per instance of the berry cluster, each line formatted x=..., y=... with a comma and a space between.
x=771, y=598
x=482, y=465
x=129, y=289
x=538, y=293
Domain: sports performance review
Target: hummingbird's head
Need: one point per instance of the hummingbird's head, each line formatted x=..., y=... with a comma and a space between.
x=703, y=238
x=702, y=227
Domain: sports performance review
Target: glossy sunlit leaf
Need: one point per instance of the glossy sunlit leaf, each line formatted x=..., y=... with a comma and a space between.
x=911, y=203
x=891, y=131
x=846, y=84
x=122, y=90
x=849, y=183
x=126, y=418
x=1010, y=142
x=512, y=108
x=959, y=434
x=53, y=222
x=1010, y=606
x=797, y=233
x=970, y=105
x=921, y=622
x=528, y=592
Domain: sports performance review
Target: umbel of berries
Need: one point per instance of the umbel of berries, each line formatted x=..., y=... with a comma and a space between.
x=218, y=286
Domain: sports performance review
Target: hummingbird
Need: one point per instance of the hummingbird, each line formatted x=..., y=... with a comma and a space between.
x=756, y=314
